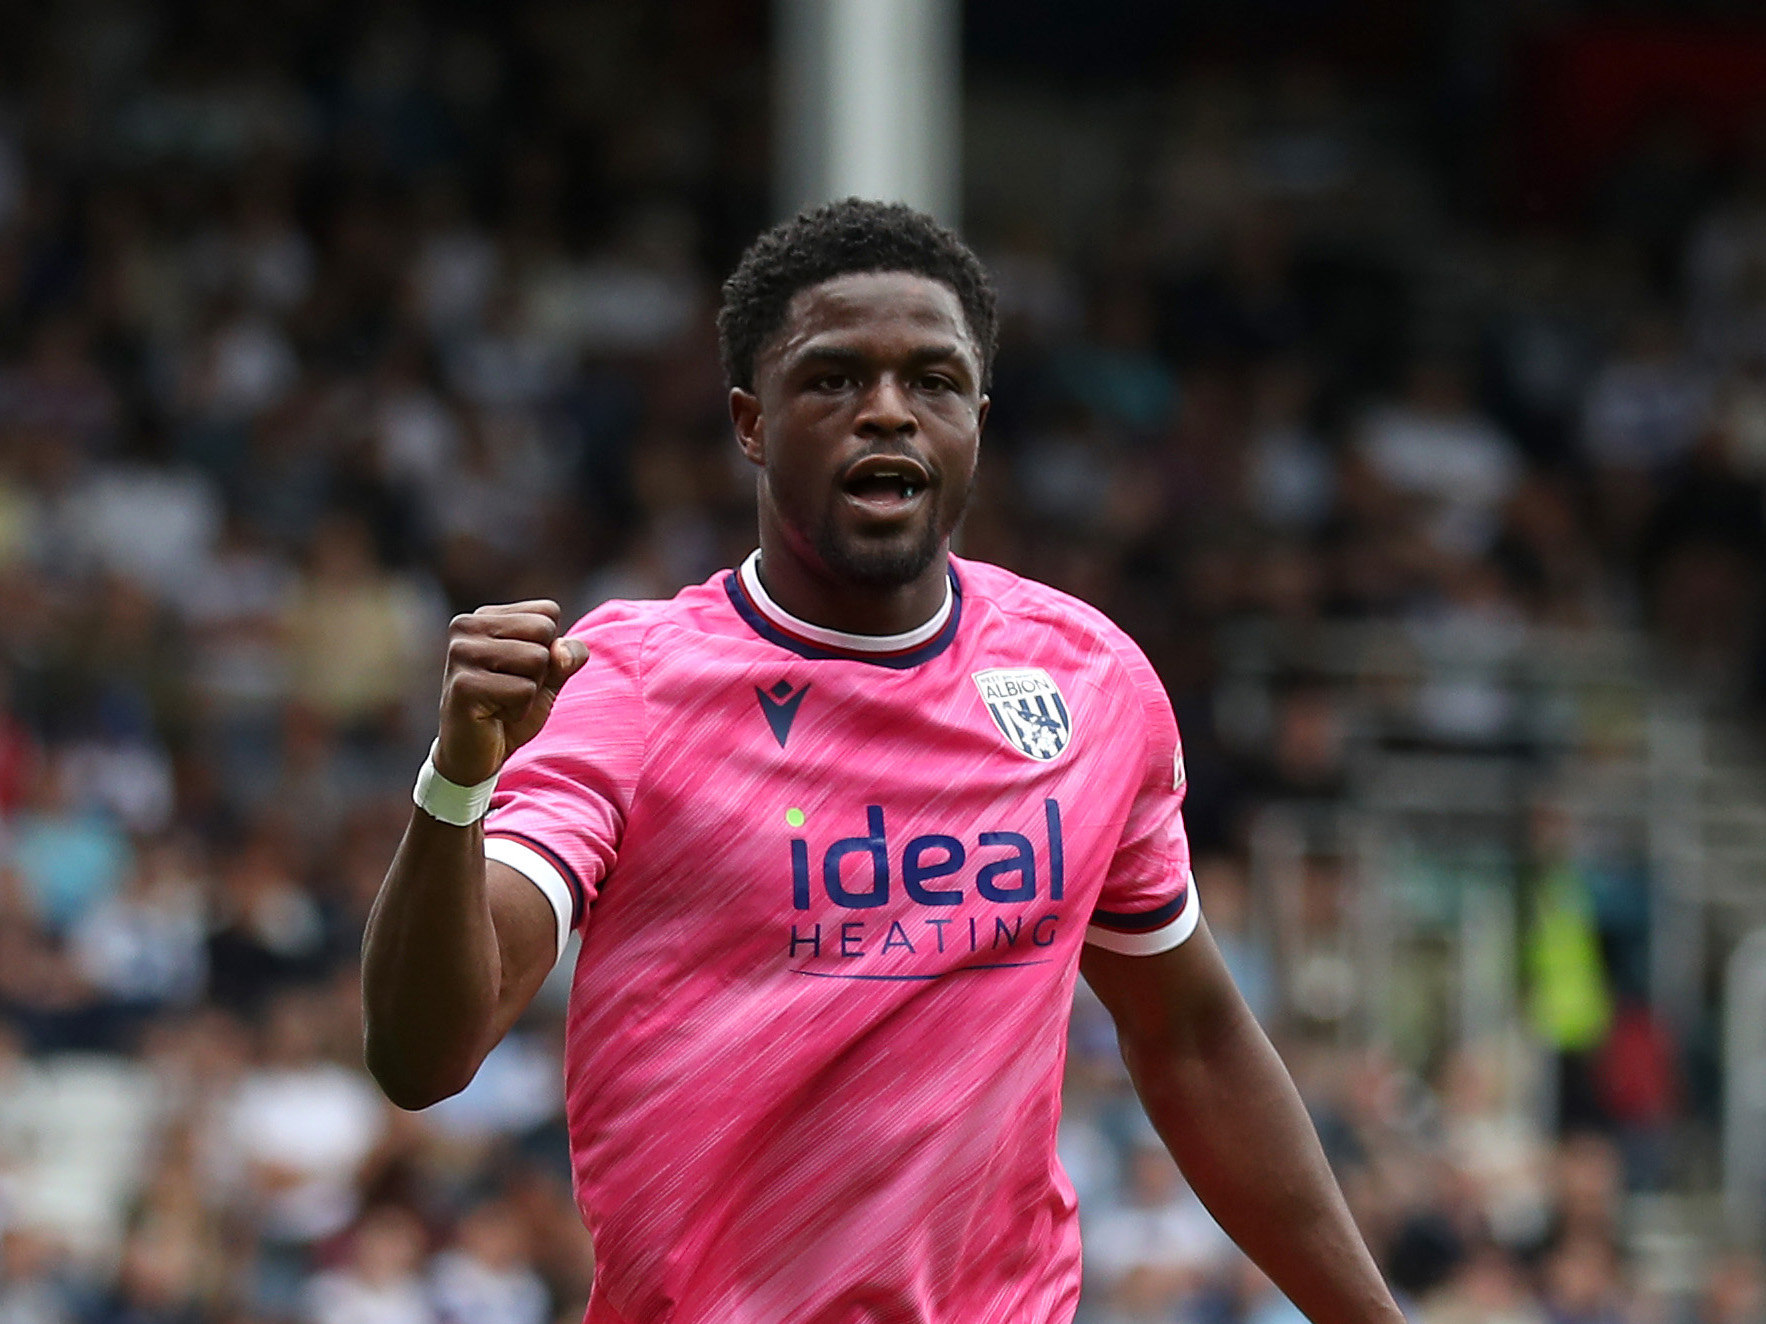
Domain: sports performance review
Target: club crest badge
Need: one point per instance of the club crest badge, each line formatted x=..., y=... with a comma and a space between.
x=1027, y=707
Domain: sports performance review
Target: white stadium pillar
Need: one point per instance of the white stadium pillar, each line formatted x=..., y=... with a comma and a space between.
x=1744, y=1087
x=868, y=102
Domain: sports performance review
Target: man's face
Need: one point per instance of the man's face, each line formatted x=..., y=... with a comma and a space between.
x=865, y=418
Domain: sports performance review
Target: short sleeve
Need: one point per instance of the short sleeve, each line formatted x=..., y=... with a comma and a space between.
x=1149, y=903
x=562, y=799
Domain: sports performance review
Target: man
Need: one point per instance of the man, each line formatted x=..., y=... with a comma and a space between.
x=839, y=829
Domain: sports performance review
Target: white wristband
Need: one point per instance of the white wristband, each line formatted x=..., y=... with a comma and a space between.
x=449, y=801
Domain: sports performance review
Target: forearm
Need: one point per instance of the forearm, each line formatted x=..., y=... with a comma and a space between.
x=431, y=973
x=1228, y=1111
x=455, y=948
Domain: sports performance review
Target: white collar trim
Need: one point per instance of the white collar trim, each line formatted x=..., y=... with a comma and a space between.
x=817, y=634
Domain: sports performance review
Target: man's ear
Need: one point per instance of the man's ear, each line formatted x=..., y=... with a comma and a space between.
x=981, y=414
x=750, y=424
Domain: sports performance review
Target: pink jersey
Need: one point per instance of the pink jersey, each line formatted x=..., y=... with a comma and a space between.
x=833, y=891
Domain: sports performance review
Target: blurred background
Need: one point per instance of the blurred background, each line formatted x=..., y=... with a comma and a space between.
x=1395, y=373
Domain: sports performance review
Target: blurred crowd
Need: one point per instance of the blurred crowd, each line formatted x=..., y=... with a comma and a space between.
x=319, y=323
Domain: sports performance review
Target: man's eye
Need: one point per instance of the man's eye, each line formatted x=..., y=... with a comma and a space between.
x=833, y=381
x=937, y=383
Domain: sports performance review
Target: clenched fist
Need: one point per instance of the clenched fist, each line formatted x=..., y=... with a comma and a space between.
x=505, y=667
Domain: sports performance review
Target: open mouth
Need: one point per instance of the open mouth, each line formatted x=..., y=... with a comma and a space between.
x=885, y=480
x=882, y=487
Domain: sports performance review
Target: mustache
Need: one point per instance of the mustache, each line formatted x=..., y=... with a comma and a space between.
x=919, y=466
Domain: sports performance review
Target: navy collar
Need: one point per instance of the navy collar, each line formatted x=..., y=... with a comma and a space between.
x=777, y=626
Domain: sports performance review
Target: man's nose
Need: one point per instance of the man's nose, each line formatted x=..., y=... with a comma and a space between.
x=886, y=409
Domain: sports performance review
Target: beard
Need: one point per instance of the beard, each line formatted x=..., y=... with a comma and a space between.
x=891, y=563
x=878, y=566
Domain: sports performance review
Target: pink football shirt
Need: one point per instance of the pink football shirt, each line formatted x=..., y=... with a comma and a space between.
x=832, y=891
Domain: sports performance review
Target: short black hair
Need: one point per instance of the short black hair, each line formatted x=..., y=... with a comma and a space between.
x=849, y=237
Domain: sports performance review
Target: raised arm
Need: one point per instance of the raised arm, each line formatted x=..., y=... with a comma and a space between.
x=455, y=949
x=1228, y=1111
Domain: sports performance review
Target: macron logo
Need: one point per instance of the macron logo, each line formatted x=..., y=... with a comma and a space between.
x=780, y=706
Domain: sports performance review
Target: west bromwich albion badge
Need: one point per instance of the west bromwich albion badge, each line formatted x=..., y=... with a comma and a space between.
x=1027, y=707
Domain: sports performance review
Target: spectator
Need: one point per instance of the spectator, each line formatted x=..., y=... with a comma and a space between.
x=1434, y=447
x=75, y=1129
x=68, y=857
x=1221, y=878
x=232, y=608
x=157, y=1283
x=269, y=929
x=353, y=632
x=487, y=1276
x=144, y=947
x=457, y=264
x=145, y=522
x=260, y=251
x=1155, y=1251
x=517, y=1090
x=379, y=1284
x=1587, y=1185
x=1497, y=1147
x=1292, y=474
x=298, y=1130
x=1726, y=265
x=1571, y=1001
x=59, y=388
x=1733, y=1292
x=32, y=1287
x=1647, y=406
x=1638, y=1079
x=1488, y=1288
x=240, y=366
x=1582, y=1282
x=19, y=756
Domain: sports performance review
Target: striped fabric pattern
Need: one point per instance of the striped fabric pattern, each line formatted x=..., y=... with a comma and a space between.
x=818, y=1020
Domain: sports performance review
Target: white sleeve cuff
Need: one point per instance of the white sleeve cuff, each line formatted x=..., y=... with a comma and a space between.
x=1173, y=933
x=539, y=871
